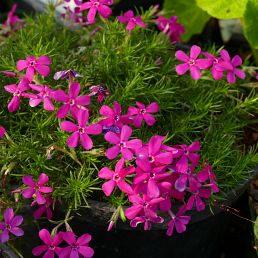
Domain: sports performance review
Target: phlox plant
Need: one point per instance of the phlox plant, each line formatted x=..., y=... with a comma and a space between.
x=84, y=113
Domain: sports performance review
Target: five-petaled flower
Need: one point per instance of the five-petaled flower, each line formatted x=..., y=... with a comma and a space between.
x=131, y=20
x=10, y=225
x=81, y=130
x=191, y=63
x=36, y=189
x=77, y=247
x=33, y=64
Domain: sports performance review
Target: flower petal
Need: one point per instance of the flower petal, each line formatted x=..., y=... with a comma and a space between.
x=108, y=187
x=86, y=141
x=17, y=231
x=182, y=68
x=43, y=70
x=181, y=56
x=63, y=111
x=17, y=221
x=69, y=237
x=69, y=126
x=86, y=251
x=73, y=140
x=112, y=138
x=84, y=239
x=112, y=152
x=106, y=173
x=28, y=180
x=44, y=235
x=195, y=52
x=74, y=89
x=195, y=72
x=38, y=250
x=8, y=215
x=22, y=64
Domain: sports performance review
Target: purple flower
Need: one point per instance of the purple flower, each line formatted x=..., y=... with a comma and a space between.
x=10, y=225
x=94, y=6
x=33, y=64
x=76, y=248
x=112, y=128
x=71, y=101
x=36, y=189
x=191, y=63
x=179, y=221
x=171, y=28
x=116, y=178
x=230, y=66
x=45, y=95
x=66, y=74
x=51, y=244
x=122, y=144
x=143, y=113
x=44, y=208
x=99, y=90
x=18, y=92
x=2, y=132
x=114, y=117
x=81, y=131
x=132, y=20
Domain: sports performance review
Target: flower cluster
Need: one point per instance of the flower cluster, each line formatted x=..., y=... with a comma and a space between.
x=218, y=65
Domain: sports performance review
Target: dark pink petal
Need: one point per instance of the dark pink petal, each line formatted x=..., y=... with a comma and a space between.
x=48, y=105
x=152, y=189
x=140, y=105
x=200, y=206
x=2, y=132
x=138, y=121
x=28, y=193
x=57, y=240
x=73, y=140
x=195, y=146
x=239, y=73
x=28, y=180
x=117, y=107
x=30, y=73
x=83, y=116
x=126, y=154
x=106, y=111
x=133, y=211
x=153, y=107
x=112, y=138
x=129, y=14
x=150, y=120
x=134, y=144
x=22, y=64
x=122, y=19
x=181, y=56
x=43, y=70
x=180, y=228
x=181, y=183
x=144, y=164
x=74, y=89
x=69, y=237
x=40, y=199
x=108, y=187
x=14, y=104
x=49, y=213
x=195, y=72
x=231, y=78
x=86, y=141
x=45, y=237
x=203, y=63
x=104, y=11
x=23, y=84
x=39, y=212
x=46, y=189
x=139, y=21
x=195, y=52
x=126, y=132
x=106, y=173
x=69, y=126
x=236, y=60
x=11, y=88
x=164, y=158
x=182, y=68
x=124, y=187
x=65, y=253
x=83, y=100
x=60, y=96
x=182, y=164
x=190, y=203
x=131, y=25
x=224, y=55
x=35, y=102
x=43, y=178
x=49, y=254
x=17, y=231
x=44, y=60
x=63, y=111
x=38, y=250
x=155, y=144
x=93, y=129
x=217, y=75
x=119, y=166
x=83, y=240
x=17, y=221
x=112, y=152
x=133, y=111
x=85, y=6
x=8, y=215
x=156, y=201
x=86, y=251
x=74, y=253
x=170, y=229
x=91, y=14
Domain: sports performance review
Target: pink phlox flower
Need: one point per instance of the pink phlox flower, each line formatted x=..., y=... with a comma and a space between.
x=191, y=63
x=206, y=174
x=71, y=101
x=18, y=91
x=44, y=208
x=50, y=246
x=143, y=211
x=198, y=192
x=231, y=66
x=171, y=28
x=33, y=65
x=122, y=144
x=100, y=91
x=77, y=247
x=117, y=178
x=66, y=74
x=36, y=189
x=152, y=155
x=143, y=113
x=81, y=131
x=94, y=6
x=12, y=19
x=2, y=132
x=131, y=20
x=10, y=225
x=45, y=95
x=179, y=221
x=114, y=117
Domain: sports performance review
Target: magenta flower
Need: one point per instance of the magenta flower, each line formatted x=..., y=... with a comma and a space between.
x=10, y=225
x=122, y=144
x=143, y=113
x=116, y=178
x=12, y=19
x=171, y=28
x=114, y=117
x=2, y=132
x=33, y=64
x=94, y=6
x=18, y=92
x=44, y=208
x=230, y=66
x=191, y=63
x=36, y=190
x=99, y=90
x=77, y=248
x=131, y=20
x=45, y=95
x=179, y=221
x=81, y=131
x=71, y=101
x=51, y=244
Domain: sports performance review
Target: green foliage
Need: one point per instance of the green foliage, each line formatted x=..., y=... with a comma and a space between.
x=189, y=14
